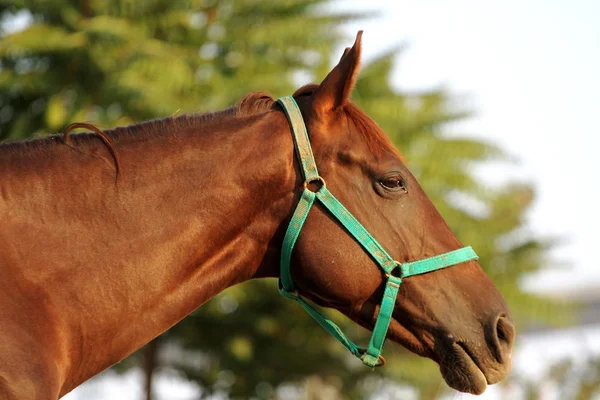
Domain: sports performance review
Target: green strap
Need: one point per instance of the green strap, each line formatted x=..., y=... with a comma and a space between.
x=301, y=141
x=372, y=355
x=354, y=227
x=372, y=358
x=325, y=322
x=286, y=284
x=438, y=262
x=291, y=235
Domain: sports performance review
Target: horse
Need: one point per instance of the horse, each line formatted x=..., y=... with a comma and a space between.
x=109, y=238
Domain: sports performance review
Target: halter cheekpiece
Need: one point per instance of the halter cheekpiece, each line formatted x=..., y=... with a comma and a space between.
x=371, y=356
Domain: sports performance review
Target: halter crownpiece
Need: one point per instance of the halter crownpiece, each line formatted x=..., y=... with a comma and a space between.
x=371, y=356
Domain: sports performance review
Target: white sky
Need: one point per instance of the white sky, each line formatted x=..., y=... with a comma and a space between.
x=529, y=70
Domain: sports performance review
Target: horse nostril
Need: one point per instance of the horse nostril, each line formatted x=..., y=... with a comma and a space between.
x=505, y=331
x=505, y=336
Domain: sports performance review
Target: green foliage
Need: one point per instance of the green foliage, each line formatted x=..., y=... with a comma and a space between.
x=115, y=62
x=119, y=62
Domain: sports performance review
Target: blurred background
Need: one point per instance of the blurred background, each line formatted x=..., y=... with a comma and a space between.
x=494, y=105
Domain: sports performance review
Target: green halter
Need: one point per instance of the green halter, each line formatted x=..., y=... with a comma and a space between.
x=372, y=355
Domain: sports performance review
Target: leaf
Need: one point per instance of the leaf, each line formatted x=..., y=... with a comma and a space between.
x=56, y=113
x=29, y=41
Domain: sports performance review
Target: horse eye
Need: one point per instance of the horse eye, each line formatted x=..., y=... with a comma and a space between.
x=393, y=183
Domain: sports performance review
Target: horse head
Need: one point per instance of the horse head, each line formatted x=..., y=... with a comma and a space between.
x=455, y=316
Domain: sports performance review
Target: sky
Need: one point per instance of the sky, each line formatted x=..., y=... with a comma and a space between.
x=529, y=71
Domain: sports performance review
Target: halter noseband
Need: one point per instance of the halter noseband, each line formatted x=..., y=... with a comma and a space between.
x=371, y=356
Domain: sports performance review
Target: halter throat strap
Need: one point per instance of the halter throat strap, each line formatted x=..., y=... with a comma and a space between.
x=371, y=356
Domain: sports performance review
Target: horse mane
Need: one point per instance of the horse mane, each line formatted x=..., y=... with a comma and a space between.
x=251, y=104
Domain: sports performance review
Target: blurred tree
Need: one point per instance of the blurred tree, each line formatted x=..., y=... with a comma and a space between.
x=116, y=62
x=568, y=379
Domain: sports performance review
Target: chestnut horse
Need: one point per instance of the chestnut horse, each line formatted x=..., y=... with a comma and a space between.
x=102, y=248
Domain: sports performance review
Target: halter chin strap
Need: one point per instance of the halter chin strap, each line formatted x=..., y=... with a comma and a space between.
x=371, y=356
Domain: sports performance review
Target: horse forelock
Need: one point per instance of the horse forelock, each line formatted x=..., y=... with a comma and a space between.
x=377, y=141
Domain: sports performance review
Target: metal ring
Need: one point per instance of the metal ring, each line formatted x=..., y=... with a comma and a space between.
x=380, y=360
x=319, y=179
x=399, y=266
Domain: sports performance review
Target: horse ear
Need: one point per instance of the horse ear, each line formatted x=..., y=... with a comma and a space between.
x=335, y=89
x=346, y=50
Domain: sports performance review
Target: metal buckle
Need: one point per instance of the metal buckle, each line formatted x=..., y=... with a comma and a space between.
x=399, y=266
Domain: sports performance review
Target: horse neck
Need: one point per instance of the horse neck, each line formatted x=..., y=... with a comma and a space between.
x=192, y=214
